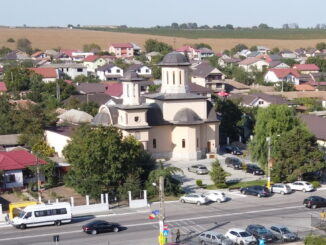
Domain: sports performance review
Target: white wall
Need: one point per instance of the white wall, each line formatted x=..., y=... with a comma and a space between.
x=18, y=178
x=57, y=141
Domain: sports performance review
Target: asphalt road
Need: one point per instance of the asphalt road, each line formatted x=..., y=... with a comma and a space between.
x=190, y=219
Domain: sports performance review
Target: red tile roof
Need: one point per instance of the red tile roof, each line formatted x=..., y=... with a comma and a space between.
x=20, y=159
x=281, y=73
x=91, y=58
x=185, y=49
x=122, y=45
x=113, y=89
x=3, y=87
x=306, y=67
x=68, y=51
x=47, y=72
x=304, y=87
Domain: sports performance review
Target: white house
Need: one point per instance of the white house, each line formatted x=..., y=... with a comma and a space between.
x=71, y=69
x=48, y=74
x=249, y=64
x=282, y=75
x=141, y=70
x=58, y=138
x=109, y=72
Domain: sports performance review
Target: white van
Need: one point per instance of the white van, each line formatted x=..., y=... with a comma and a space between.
x=43, y=214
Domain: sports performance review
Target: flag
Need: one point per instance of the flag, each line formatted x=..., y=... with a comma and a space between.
x=152, y=216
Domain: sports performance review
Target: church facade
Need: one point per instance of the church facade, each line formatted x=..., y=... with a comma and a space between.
x=173, y=124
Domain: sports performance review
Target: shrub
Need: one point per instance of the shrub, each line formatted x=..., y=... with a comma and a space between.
x=314, y=240
x=199, y=182
x=316, y=184
x=10, y=40
x=221, y=186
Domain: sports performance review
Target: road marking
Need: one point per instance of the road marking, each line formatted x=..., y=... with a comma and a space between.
x=42, y=235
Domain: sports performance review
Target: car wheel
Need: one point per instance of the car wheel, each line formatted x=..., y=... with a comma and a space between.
x=115, y=229
x=314, y=206
x=259, y=195
x=198, y=203
x=94, y=232
x=58, y=223
x=203, y=243
x=22, y=226
x=183, y=201
x=304, y=190
x=282, y=192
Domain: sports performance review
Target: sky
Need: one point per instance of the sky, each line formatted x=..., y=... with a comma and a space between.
x=147, y=13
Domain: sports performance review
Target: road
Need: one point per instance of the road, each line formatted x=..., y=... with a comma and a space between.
x=190, y=219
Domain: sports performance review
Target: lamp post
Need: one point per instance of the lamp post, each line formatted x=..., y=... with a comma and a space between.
x=162, y=209
x=268, y=139
x=38, y=178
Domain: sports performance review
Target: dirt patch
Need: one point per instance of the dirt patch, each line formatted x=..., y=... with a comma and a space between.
x=44, y=38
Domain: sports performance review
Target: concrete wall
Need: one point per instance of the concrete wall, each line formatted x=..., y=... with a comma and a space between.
x=57, y=141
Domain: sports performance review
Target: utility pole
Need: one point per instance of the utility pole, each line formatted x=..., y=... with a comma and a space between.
x=162, y=210
x=38, y=179
x=268, y=163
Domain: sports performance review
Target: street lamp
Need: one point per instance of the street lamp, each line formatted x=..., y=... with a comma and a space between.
x=38, y=178
x=161, y=215
x=268, y=139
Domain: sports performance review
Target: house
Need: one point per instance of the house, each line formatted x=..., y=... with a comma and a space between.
x=277, y=64
x=113, y=89
x=234, y=86
x=72, y=70
x=90, y=88
x=136, y=48
x=224, y=62
x=263, y=50
x=244, y=53
x=3, y=88
x=39, y=55
x=174, y=123
x=282, y=75
x=79, y=56
x=122, y=49
x=312, y=52
x=14, y=165
x=207, y=76
x=74, y=117
x=258, y=99
x=271, y=57
x=92, y=62
x=316, y=125
x=141, y=70
x=48, y=74
x=190, y=52
x=16, y=55
x=254, y=54
x=306, y=68
x=250, y=64
x=288, y=54
x=109, y=72
x=205, y=53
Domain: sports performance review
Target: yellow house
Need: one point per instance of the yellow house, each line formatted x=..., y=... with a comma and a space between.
x=92, y=62
x=173, y=124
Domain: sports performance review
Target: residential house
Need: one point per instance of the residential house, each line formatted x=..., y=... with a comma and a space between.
x=141, y=70
x=70, y=69
x=205, y=53
x=263, y=50
x=92, y=62
x=136, y=48
x=190, y=52
x=224, y=62
x=3, y=88
x=312, y=52
x=258, y=99
x=234, y=86
x=16, y=55
x=113, y=89
x=122, y=49
x=9, y=141
x=288, y=54
x=282, y=75
x=244, y=53
x=98, y=98
x=306, y=68
x=109, y=72
x=304, y=87
x=90, y=88
x=78, y=56
x=277, y=64
x=39, y=55
x=254, y=54
x=207, y=76
x=15, y=164
x=271, y=57
x=48, y=74
x=250, y=64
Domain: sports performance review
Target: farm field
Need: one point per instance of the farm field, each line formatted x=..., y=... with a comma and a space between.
x=45, y=38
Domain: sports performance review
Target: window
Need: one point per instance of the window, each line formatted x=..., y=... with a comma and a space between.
x=118, y=70
x=147, y=70
x=183, y=143
x=167, y=77
x=136, y=119
x=10, y=178
x=109, y=70
x=173, y=77
x=208, y=236
x=79, y=69
x=154, y=143
x=261, y=102
x=197, y=143
x=180, y=77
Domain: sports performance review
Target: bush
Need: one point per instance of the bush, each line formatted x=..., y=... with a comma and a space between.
x=10, y=40
x=316, y=184
x=199, y=182
x=221, y=186
x=314, y=240
x=217, y=174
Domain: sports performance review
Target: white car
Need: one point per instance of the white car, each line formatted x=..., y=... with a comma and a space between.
x=198, y=199
x=240, y=236
x=216, y=196
x=281, y=188
x=301, y=186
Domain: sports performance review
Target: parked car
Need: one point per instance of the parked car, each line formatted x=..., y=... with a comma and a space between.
x=282, y=233
x=256, y=190
x=99, y=226
x=233, y=162
x=198, y=169
x=314, y=202
x=240, y=236
x=214, y=238
x=254, y=169
x=233, y=149
x=301, y=186
x=281, y=188
x=198, y=199
x=261, y=233
x=216, y=196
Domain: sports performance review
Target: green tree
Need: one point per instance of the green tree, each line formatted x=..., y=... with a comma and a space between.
x=275, y=50
x=318, y=61
x=295, y=153
x=270, y=122
x=92, y=47
x=241, y=76
x=86, y=79
x=6, y=120
x=17, y=78
x=285, y=86
x=314, y=240
x=218, y=175
x=25, y=45
x=321, y=46
x=237, y=48
x=4, y=51
x=43, y=149
x=290, y=62
x=133, y=184
x=154, y=45
x=101, y=160
x=90, y=107
x=121, y=63
x=202, y=45
x=312, y=104
x=253, y=48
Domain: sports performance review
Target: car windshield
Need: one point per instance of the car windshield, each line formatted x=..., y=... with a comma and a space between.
x=244, y=234
x=203, y=167
x=262, y=231
x=285, y=230
x=21, y=214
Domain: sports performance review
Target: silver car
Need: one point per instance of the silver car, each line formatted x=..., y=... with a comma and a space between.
x=215, y=238
x=283, y=233
x=198, y=169
x=281, y=188
x=198, y=199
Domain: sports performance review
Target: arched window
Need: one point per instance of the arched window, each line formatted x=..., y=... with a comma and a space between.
x=136, y=119
x=154, y=143
x=180, y=77
x=183, y=143
x=173, y=77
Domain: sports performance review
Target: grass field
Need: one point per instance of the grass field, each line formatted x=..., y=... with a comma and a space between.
x=45, y=38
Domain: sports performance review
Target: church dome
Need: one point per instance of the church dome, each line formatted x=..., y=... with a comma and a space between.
x=174, y=59
x=102, y=118
x=186, y=116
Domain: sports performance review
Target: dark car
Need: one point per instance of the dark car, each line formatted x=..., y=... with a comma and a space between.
x=233, y=149
x=254, y=169
x=99, y=226
x=261, y=233
x=233, y=162
x=256, y=190
x=314, y=202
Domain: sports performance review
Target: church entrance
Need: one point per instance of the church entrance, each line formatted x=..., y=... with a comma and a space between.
x=208, y=146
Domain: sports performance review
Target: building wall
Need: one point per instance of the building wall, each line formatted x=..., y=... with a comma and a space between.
x=18, y=178
x=199, y=80
x=57, y=141
x=141, y=116
x=141, y=135
x=175, y=79
x=170, y=108
x=271, y=77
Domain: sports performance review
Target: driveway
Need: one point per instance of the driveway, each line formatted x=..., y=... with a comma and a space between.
x=189, y=179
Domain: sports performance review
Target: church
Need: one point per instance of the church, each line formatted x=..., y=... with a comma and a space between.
x=172, y=124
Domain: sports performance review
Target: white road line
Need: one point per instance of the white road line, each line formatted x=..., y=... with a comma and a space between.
x=42, y=235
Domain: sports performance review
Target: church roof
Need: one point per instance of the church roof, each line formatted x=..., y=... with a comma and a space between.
x=187, y=116
x=174, y=59
x=102, y=118
x=179, y=96
x=131, y=76
x=154, y=116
